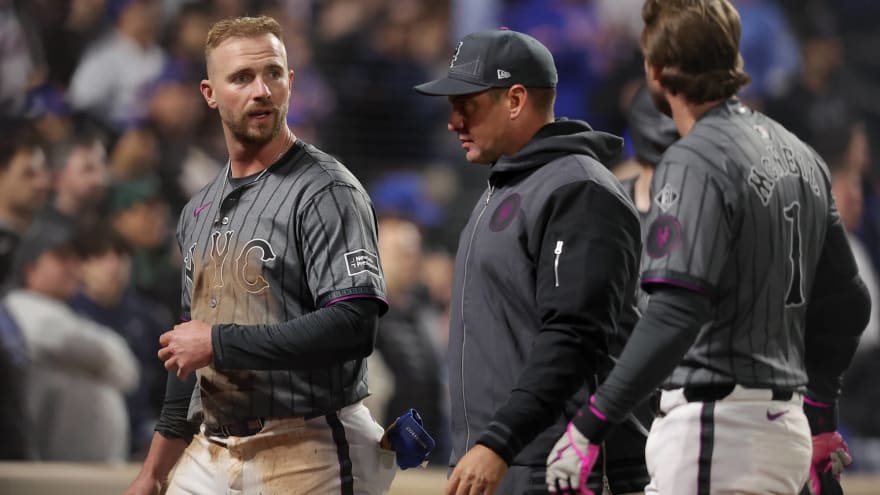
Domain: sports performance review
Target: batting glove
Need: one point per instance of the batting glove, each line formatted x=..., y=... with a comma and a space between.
x=830, y=452
x=409, y=439
x=570, y=463
x=830, y=457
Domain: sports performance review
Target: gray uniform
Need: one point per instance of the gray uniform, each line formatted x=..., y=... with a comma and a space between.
x=297, y=238
x=741, y=210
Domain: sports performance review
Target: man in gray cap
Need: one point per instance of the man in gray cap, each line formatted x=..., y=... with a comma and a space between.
x=543, y=268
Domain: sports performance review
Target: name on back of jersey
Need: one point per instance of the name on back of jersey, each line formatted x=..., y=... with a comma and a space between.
x=780, y=162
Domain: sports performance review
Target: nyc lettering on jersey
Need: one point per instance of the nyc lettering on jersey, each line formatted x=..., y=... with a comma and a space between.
x=781, y=162
x=245, y=276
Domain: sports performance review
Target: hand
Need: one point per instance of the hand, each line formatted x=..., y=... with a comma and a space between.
x=144, y=486
x=479, y=472
x=830, y=457
x=570, y=463
x=830, y=453
x=187, y=347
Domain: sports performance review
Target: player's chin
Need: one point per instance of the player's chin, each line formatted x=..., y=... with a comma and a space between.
x=260, y=134
x=475, y=155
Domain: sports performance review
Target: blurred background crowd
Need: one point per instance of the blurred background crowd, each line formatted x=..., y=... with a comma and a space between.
x=104, y=136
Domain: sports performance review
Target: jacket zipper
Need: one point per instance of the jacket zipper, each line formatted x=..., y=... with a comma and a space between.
x=467, y=255
x=558, y=252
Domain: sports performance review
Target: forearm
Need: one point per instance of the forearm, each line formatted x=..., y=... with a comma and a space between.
x=173, y=421
x=559, y=363
x=833, y=327
x=173, y=433
x=336, y=333
x=659, y=341
x=163, y=455
x=120, y=367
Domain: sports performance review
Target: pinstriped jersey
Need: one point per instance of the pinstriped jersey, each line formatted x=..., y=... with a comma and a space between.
x=294, y=239
x=740, y=213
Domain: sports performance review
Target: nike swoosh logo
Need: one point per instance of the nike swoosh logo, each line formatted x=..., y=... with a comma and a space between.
x=774, y=416
x=202, y=207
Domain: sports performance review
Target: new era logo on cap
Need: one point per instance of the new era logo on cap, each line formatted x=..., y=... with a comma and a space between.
x=498, y=58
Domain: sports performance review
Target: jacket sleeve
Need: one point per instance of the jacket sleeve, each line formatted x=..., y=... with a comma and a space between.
x=586, y=247
x=77, y=344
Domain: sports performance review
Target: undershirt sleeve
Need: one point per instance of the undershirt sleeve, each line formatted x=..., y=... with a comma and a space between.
x=659, y=341
x=337, y=333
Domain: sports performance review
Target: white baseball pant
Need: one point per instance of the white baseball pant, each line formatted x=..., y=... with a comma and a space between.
x=337, y=454
x=745, y=443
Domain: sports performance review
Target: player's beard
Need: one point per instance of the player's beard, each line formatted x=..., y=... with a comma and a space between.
x=240, y=127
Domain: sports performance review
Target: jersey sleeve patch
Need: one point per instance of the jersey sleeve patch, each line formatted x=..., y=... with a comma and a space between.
x=361, y=261
x=664, y=236
x=667, y=197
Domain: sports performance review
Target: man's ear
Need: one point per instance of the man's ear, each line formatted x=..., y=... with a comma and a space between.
x=208, y=93
x=517, y=96
x=652, y=72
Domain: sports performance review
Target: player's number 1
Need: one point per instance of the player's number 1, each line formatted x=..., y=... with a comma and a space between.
x=795, y=294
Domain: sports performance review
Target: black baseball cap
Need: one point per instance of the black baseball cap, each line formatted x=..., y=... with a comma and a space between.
x=498, y=58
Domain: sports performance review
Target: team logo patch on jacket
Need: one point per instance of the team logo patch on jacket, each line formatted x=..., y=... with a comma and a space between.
x=505, y=213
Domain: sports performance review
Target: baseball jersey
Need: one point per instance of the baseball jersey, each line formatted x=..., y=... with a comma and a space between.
x=740, y=213
x=284, y=243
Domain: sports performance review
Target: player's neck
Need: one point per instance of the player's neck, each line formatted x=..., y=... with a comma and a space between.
x=247, y=159
x=643, y=188
x=686, y=114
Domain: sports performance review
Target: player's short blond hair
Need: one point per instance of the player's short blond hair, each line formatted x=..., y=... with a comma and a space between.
x=241, y=27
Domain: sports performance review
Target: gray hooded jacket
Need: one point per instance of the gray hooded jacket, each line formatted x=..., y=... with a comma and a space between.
x=542, y=271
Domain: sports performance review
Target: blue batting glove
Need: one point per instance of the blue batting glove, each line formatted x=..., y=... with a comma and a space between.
x=409, y=440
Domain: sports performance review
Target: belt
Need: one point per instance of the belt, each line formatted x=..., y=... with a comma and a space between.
x=243, y=428
x=711, y=393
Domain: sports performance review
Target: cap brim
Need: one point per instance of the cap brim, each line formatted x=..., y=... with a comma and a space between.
x=450, y=87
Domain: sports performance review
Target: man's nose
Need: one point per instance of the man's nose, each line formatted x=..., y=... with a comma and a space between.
x=455, y=122
x=261, y=90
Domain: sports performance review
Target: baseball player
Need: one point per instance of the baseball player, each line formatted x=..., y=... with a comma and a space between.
x=746, y=262
x=545, y=263
x=282, y=290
